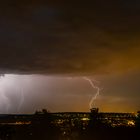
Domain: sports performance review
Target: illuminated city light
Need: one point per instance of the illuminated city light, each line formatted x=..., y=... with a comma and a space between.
x=131, y=123
x=17, y=123
x=85, y=119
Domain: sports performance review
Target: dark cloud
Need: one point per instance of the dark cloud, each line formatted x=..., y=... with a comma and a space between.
x=69, y=37
x=98, y=37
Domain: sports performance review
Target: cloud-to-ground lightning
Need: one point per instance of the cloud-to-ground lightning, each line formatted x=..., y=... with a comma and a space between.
x=94, y=87
x=8, y=82
x=4, y=101
x=21, y=100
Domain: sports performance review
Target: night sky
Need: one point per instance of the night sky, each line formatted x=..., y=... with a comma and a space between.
x=47, y=47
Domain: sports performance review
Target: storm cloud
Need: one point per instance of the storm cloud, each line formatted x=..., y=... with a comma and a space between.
x=64, y=41
x=73, y=37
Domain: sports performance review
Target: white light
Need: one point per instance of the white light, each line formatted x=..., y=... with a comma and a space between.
x=91, y=82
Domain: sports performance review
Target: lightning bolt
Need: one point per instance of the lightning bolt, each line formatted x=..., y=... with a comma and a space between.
x=3, y=97
x=91, y=82
x=21, y=99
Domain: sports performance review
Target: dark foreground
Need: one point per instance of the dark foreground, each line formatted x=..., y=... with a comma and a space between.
x=68, y=126
x=42, y=133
